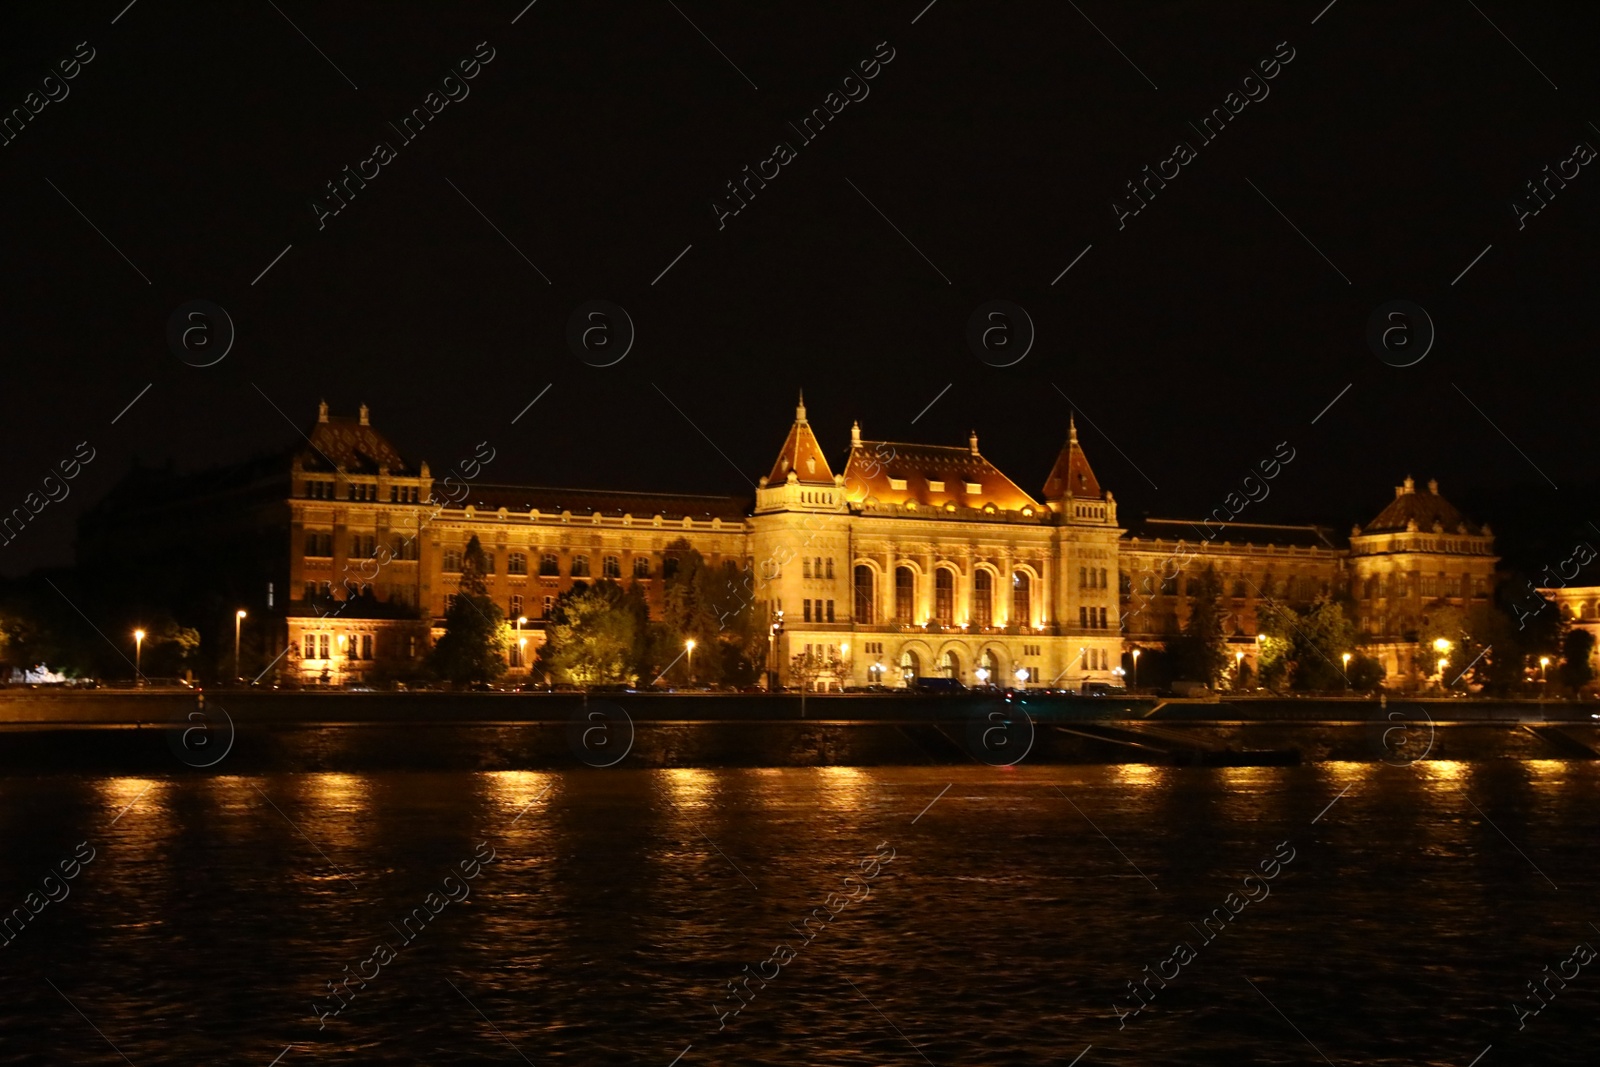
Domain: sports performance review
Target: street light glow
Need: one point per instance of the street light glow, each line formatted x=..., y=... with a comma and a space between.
x=1441, y=644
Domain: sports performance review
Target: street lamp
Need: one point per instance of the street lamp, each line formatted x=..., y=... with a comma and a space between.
x=1441, y=644
x=689, y=644
x=983, y=675
x=1136, y=668
x=1022, y=677
x=1346, y=658
x=138, y=649
x=238, y=617
x=1544, y=661
x=522, y=642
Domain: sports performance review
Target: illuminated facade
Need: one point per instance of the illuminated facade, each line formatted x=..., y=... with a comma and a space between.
x=912, y=560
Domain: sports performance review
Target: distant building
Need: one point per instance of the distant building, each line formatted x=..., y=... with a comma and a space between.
x=913, y=560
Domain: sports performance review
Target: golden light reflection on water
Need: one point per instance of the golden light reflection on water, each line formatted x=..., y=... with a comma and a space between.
x=1443, y=771
x=690, y=788
x=845, y=789
x=136, y=805
x=1548, y=774
x=340, y=794
x=1137, y=774
x=513, y=793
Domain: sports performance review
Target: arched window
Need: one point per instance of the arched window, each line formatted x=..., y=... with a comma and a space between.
x=641, y=566
x=944, y=597
x=905, y=594
x=949, y=665
x=549, y=566
x=611, y=567
x=580, y=566
x=863, y=611
x=517, y=563
x=982, y=599
x=1021, y=598
x=910, y=666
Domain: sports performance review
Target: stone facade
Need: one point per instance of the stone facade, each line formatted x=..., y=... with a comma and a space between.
x=912, y=561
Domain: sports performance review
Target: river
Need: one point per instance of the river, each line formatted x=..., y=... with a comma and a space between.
x=959, y=916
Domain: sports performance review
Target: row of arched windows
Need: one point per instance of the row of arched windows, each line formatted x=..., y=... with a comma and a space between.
x=904, y=604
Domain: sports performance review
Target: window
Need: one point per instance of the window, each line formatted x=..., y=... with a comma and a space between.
x=488, y=562
x=322, y=640
x=1021, y=599
x=944, y=597
x=807, y=603
x=548, y=606
x=817, y=568
x=806, y=568
x=311, y=646
x=311, y=590
x=830, y=566
x=1083, y=577
x=982, y=599
x=905, y=585
x=452, y=561
x=1083, y=618
x=1103, y=619
x=319, y=543
x=641, y=566
x=830, y=610
x=669, y=567
x=549, y=566
x=327, y=588
x=580, y=566
x=1169, y=586
x=517, y=563
x=516, y=605
x=1103, y=578
x=366, y=646
x=863, y=604
x=611, y=567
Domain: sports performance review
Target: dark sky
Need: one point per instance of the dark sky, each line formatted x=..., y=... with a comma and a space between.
x=1192, y=340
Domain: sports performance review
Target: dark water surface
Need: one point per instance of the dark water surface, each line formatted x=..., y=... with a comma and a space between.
x=614, y=915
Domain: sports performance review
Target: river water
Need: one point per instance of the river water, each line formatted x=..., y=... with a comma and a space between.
x=967, y=916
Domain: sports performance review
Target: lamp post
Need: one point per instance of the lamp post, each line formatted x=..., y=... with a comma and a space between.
x=1544, y=661
x=689, y=645
x=1238, y=670
x=1136, y=668
x=238, y=617
x=1022, y=677
x=772, y=650
x=522, y=642
x=1346, y=658
x=138, y=650
x=983, y=676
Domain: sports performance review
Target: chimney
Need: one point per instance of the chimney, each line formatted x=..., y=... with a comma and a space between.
x=322, y=411
x=364, y=421
x=1433, y=486
x=972, y=442
x=855, y=434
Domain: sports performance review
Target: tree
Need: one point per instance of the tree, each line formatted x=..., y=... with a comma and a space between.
x=473, y=646
x=1201, y=651
x=592, y=636
x=1577, y=666
x=1366, y=672
x=1308, y=646
x=809, y=668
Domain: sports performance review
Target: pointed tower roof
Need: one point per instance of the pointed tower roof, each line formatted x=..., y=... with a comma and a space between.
x=801, y=453
x=1071, y=475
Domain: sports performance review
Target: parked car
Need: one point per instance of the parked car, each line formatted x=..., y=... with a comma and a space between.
x=938, y=685
x=1103, y=689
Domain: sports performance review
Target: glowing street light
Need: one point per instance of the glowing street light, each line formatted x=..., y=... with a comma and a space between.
x=689, y=645
x=1136, y=668
x=1022, y=677
x=522, y=642
x=983, y=675
x=138, y=649
x=1544, y=661
x=1441, y=644
x=238, y=617
x=1346, y=658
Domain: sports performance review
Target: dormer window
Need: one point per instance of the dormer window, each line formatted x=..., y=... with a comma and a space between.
x=974, y=488
x=897, y=483
x=935, y=486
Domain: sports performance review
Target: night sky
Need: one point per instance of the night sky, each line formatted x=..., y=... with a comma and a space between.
x=985, y=157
